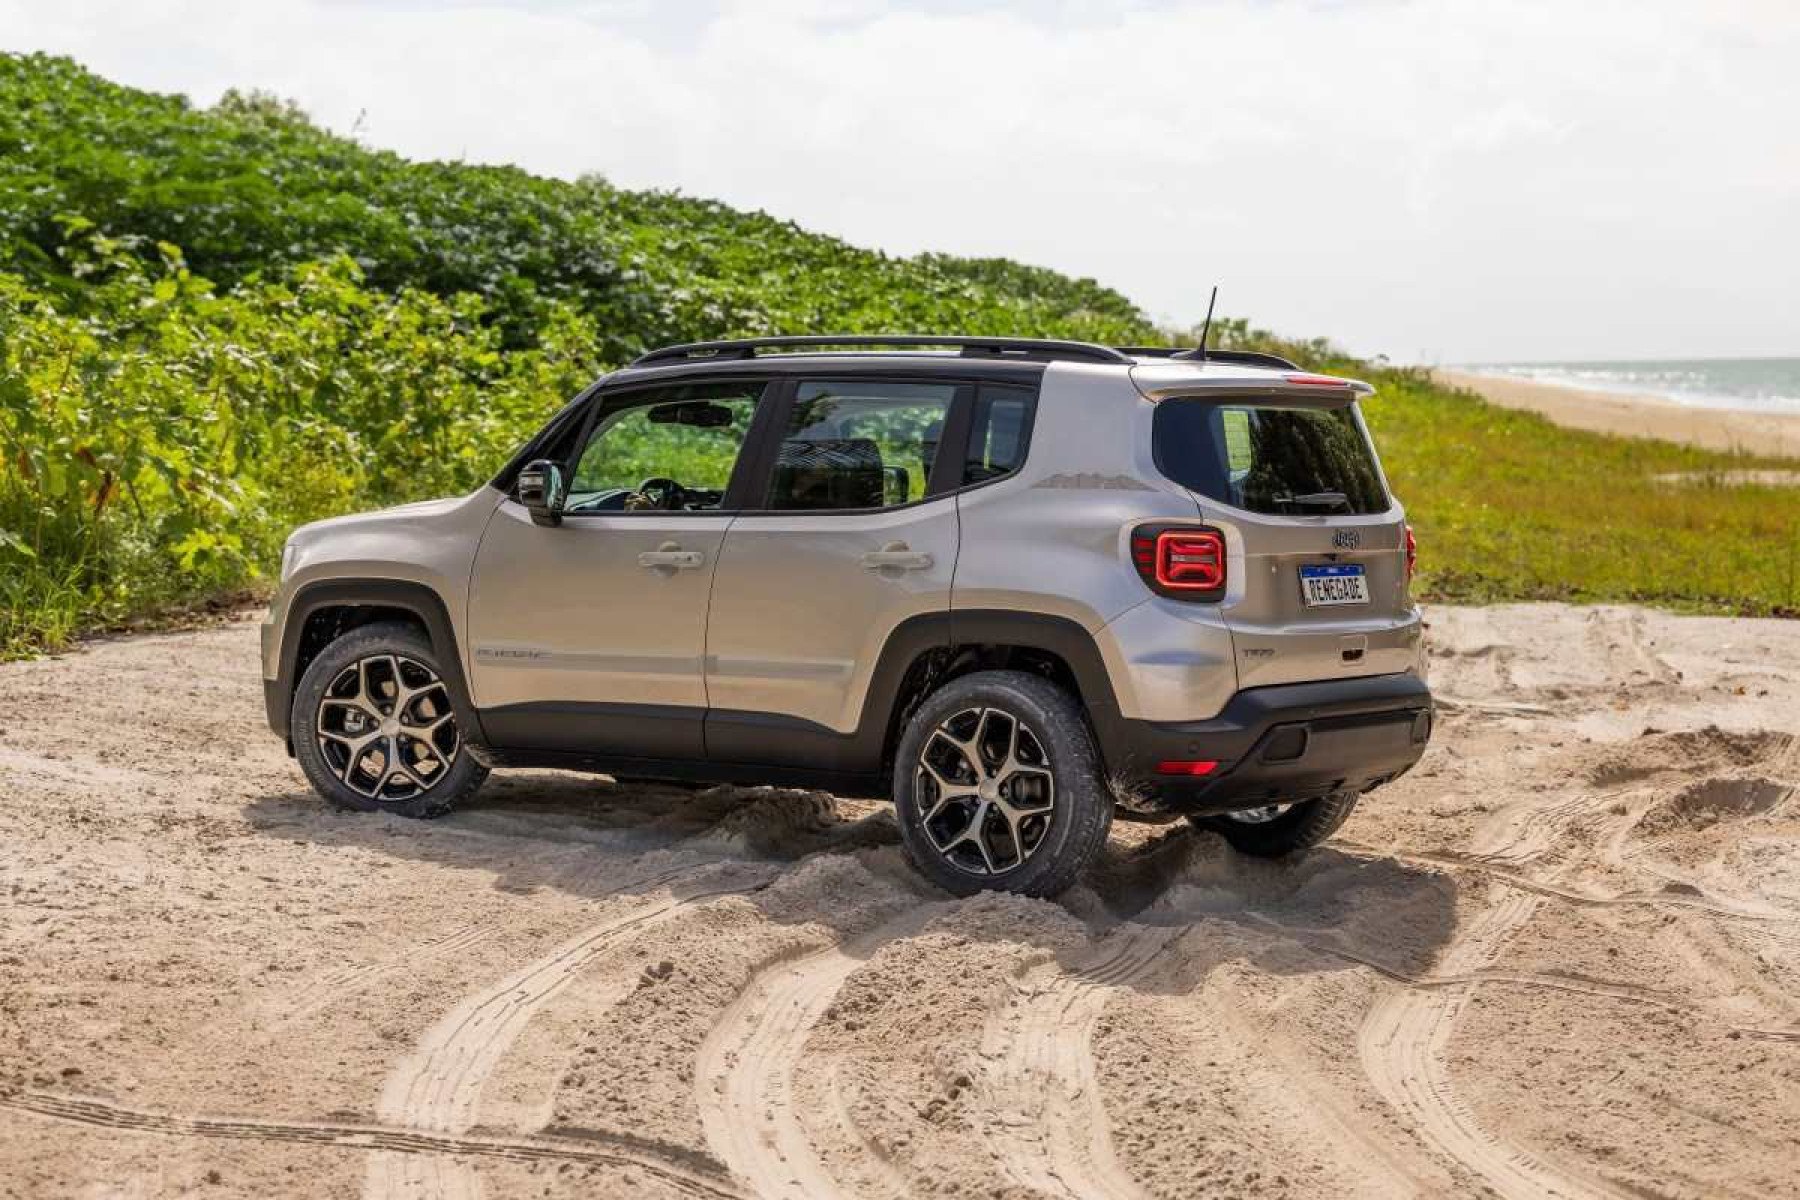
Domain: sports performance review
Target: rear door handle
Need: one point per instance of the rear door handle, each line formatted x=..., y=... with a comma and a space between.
x=897, y=556
x=670, y=555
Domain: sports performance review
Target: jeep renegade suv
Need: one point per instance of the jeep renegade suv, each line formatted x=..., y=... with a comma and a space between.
x=1012, y=583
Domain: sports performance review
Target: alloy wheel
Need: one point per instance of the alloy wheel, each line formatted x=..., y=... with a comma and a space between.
x=1258, y=816
x=986, y=790
x=385, y=728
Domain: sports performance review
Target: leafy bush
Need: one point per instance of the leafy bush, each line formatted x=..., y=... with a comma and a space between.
x=163, y=438
x=341, y=329
x=251, y=188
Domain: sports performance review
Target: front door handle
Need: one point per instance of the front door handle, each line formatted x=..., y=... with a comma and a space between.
x=896, y=556
x=670, y=556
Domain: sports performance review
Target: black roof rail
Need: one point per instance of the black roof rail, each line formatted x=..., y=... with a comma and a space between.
x=1249, y=358
x=995, y=347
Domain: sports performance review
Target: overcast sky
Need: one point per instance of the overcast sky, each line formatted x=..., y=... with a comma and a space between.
x=1437, y=181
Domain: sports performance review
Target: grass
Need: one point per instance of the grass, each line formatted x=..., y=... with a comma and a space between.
x=1509, y=506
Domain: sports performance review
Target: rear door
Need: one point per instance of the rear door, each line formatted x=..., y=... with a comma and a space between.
x=851, y=534
x=1317, y=586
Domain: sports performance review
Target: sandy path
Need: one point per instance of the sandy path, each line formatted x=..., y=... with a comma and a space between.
x=439, y=1085
x=1560, y=958
x=1772, y=434
x=744, y=1078
x=1049, y=1127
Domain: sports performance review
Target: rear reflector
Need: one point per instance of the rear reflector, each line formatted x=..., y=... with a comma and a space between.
x=1184, y=562
x=1187, y=766
x=1412, y=552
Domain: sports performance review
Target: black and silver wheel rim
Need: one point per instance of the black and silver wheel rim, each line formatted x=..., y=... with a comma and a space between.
x=985, y=791
x=1257, y=816
x=385, y=729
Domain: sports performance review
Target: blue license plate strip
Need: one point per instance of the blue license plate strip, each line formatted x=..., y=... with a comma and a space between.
x=1335, y=583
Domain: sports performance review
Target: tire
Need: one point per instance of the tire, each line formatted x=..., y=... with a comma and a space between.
x=424, y=769
x=1301, y=827
x=1035, y=813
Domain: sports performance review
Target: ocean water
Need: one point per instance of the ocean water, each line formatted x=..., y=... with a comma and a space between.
x=1748, y=384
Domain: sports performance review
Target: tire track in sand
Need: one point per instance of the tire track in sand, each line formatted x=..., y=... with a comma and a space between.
x=744, y=1074
x=667, y=1166
x=437, y=1087
x=317, y=994
x=314, y=995
x=1405, y=1035
x=1402, y=1045
x=1048, y=1125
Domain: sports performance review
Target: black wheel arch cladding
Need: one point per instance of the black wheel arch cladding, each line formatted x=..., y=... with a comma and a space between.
x=363, y=601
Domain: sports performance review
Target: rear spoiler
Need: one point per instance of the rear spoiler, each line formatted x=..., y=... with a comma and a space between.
x=1165, y=381
x=1243, y=358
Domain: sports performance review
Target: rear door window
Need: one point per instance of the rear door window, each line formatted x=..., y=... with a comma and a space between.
x=854, y=445
x=1268, y=458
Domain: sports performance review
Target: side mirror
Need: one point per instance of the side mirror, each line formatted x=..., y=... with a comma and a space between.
x=542, y=489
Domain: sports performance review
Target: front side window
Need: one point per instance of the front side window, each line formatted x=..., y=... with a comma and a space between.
x=1268, y=458
x=859, y=444
x=668, y=450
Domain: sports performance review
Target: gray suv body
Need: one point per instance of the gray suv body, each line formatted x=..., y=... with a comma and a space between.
x=1016, y=585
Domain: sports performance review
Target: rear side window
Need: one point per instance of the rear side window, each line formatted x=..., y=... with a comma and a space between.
x=1269, y=458
x=858, y=445
x=999, y=432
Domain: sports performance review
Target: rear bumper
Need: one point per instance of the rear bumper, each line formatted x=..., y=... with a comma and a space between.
x=1280, y=744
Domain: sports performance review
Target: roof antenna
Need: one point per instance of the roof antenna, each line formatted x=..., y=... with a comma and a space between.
x=1207, y=328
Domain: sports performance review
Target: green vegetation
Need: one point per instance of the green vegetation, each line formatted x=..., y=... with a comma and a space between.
x=1509, y=506
x=215, y=324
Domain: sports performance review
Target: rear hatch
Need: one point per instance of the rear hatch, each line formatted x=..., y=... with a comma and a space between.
x=1316, y=548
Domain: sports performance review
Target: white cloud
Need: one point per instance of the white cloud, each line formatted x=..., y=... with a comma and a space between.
x=1455, y=180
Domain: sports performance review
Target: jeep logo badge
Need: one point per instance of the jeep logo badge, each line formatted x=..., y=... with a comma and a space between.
x=1346, y=539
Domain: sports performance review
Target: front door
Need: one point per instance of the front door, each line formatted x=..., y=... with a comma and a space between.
x=587, y=636
x=852, y=535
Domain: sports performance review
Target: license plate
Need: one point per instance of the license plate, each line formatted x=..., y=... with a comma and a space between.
x=1327, y=585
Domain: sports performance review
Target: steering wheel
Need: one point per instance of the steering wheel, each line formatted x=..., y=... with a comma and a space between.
x=663, y=492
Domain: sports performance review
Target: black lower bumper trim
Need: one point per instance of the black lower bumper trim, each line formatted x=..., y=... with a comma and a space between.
x=1280, y=744
x=276, y=699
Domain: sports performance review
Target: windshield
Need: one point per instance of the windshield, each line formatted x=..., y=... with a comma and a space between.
x=1268, y=458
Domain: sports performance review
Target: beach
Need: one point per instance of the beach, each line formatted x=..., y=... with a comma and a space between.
x=1776, y=434
x=1559, y=957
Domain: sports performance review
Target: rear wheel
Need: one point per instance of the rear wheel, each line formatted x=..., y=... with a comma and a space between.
x=1277, y=830
x=996, y=785
x=373, y=727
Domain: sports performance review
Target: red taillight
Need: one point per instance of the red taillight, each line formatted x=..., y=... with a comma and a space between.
x=1412, y=552
x=1187, y=766
x=1185, y=562
x=1316, y=381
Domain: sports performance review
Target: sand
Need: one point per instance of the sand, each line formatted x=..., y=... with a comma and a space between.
x=1561, y=957
x=1767, y=434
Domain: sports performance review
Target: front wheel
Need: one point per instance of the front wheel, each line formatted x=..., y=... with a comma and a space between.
x=997, y=786
x=373, y=727
x=1277, y=830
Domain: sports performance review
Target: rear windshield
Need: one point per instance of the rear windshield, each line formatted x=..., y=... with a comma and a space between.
x=1267, y=458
